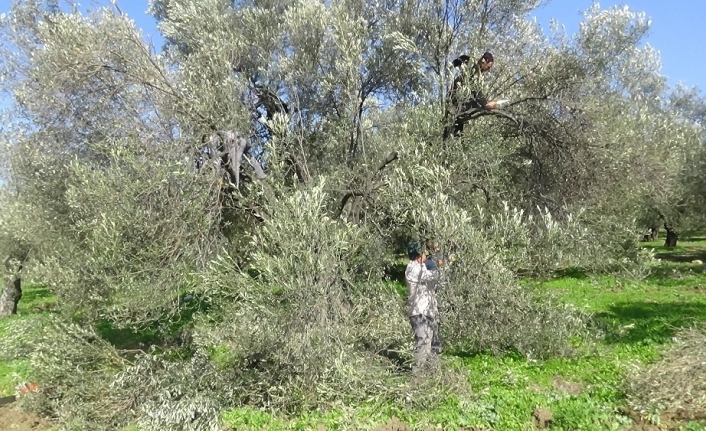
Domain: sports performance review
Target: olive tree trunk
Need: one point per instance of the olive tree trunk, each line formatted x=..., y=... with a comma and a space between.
x=10, y=296
x=671, y=239
x=12, y=288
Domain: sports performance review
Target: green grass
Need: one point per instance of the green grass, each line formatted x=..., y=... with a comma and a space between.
x=11, y=374
x=638, y=319
x=35, y=300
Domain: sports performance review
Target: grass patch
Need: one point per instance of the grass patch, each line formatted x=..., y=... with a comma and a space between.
x=588, y=393
x=11, y=374
x=639, y=320
x=640, y=313
x=36, y=299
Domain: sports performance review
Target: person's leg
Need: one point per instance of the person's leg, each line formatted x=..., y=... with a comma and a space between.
x=423, y=334
x=436, y=337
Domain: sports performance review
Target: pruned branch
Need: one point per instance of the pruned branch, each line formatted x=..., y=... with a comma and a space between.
x=527, y=99
x=495, y=112
x=345, y=200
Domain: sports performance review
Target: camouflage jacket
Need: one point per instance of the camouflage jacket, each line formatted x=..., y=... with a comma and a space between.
x=421, y=284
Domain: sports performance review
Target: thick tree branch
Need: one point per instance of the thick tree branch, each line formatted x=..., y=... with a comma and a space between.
x=394, y=155
x=389, y=159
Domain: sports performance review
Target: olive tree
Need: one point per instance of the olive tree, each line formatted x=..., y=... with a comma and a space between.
x=266, y=163
x=16, y=248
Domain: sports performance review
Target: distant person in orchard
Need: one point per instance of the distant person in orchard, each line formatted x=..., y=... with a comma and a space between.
x=422, y=306
x=466, y=95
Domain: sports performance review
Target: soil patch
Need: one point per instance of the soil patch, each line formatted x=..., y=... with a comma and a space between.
x=12, y=419
x=669, y=421
x=566, y=386
x=543, y=418
x=394, y=425
x=534, y=387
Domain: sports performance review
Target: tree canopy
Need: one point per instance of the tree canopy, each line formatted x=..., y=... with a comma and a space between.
x=263, y=170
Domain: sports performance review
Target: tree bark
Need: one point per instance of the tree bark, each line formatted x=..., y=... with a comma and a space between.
x=671, y=239
x=12, y=289
x=368, y=187
x=10, y=297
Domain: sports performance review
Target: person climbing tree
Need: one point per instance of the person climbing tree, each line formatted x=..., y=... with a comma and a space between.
x=466, y=96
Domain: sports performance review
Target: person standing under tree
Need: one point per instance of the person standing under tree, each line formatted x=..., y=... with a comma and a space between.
x=422, y=305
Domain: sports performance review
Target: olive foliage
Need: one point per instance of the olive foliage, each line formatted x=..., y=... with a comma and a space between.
x=243, y=194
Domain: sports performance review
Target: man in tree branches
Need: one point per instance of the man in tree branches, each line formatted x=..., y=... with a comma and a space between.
x=422, y=306
x=466, y=96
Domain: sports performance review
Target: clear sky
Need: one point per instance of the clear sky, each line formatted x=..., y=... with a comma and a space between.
x=677, y=32
x=677, y=29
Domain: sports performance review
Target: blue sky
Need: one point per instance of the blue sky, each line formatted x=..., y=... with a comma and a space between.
x=677, y=32
x=677, y=29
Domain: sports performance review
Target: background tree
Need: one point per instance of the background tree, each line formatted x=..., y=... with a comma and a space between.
x=16, y=249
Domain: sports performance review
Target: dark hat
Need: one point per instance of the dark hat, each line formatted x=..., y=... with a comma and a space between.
x=488, y=57
x=414, y=250
x=461, y=60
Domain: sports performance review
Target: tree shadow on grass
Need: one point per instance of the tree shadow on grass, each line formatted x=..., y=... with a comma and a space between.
x=36, y=299
x=127, y=338
x=395, y=272
x=681, y=277
x=643, y=322
x=162, y=334
x=571, y=272
x=34, y=294
x=696, y=239
x=682, y=256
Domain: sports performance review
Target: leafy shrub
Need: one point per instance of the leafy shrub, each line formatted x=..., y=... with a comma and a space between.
x=134, y=237
x=74, y=369
x=483, y=306
x=85, y=383
x=302, y=329
x=310, y=329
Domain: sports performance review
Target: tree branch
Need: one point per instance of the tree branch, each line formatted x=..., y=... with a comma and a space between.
x=394, y=155
x=389, y=159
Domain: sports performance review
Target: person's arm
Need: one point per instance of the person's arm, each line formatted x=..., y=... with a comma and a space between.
x=425, y=275
x=410, y=281
x=483, y=101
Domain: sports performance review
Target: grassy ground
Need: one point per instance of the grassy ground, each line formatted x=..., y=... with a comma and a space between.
x=35, y=299
x=639, y=320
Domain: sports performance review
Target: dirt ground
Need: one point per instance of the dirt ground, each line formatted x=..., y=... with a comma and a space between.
x=12, y=419
x=669, y=421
